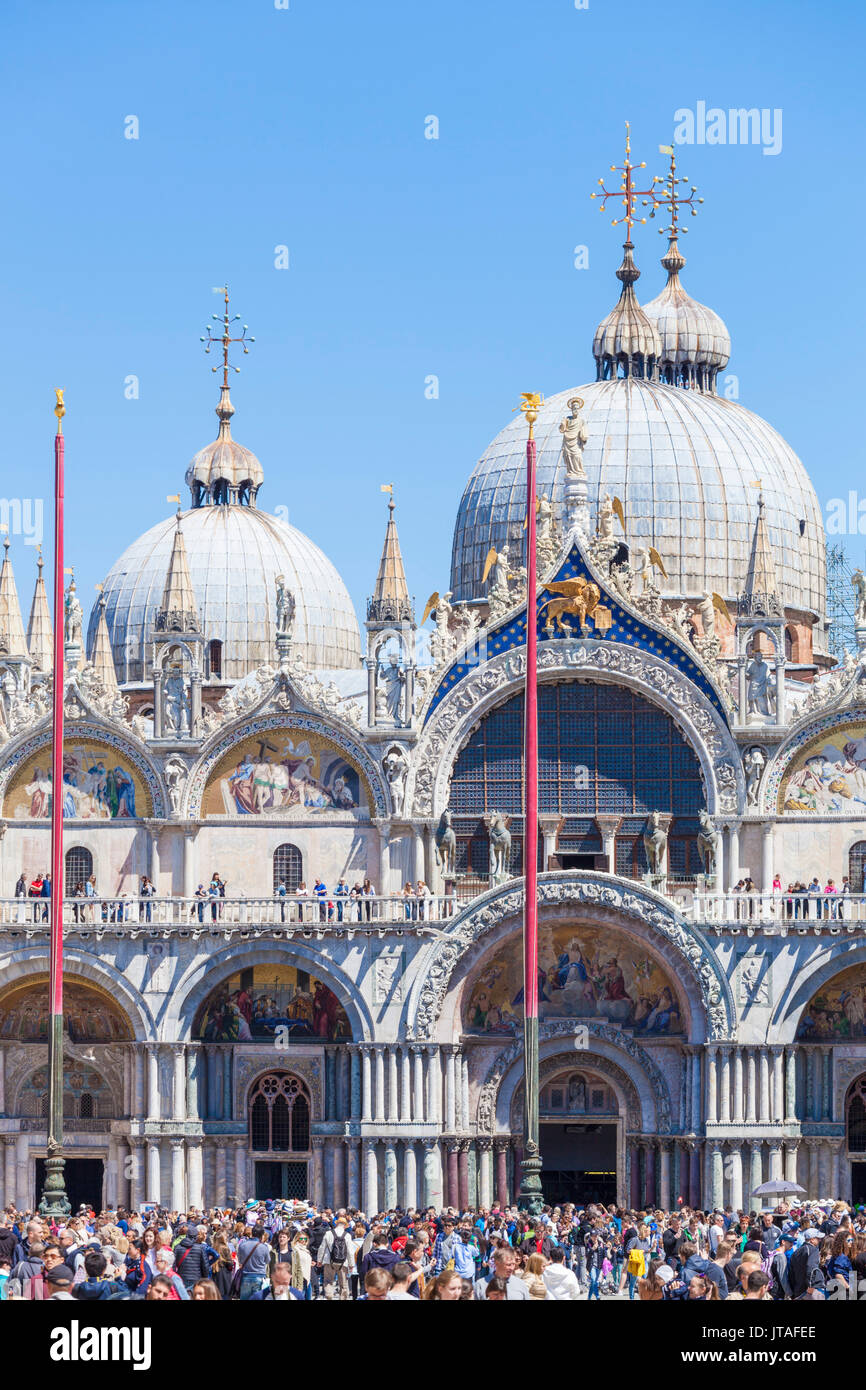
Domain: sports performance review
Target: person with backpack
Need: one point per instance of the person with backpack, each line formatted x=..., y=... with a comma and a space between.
x=194, y=1258
x=333, y=1260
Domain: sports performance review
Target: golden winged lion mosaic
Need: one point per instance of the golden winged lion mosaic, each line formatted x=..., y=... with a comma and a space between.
x=579, y=599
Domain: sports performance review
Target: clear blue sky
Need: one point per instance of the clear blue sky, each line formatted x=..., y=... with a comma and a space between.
x=408, y=257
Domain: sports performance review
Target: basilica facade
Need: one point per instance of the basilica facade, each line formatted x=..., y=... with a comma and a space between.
x=255, y=1002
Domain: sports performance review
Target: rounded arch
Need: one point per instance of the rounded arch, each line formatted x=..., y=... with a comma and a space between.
x=89, y=1093
x=857, y=865
x=630, y=907
x=836, y=958
x=639, y=1085
x=808, y=735
x=205, y=974
x=19, y=749
x=748, y=635
x=29, y=963
x=78, y=864
x=243, y=728
x=452, y=721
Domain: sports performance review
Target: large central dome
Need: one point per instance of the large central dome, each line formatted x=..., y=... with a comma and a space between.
x=684, y=463
x=235, y=554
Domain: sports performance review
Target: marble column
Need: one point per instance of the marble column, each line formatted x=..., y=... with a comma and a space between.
x=330, y=1083
x=756, y=1172
x=405, y=1085
x=218, y=1197
x=665, y=1176
x=735, y=1162
x=371, y=1179
x=778, y=1086
x=224, y=1161
x=353, y=1173
x=725, y=1087
x=9, y=1186
x=178, y=1089
x=635, y=1176
x=194, y=1174
x=717, y=1172
x=764, y=1105
x=317, y=1144
x=816, y=1067
x=739, y=1114
x=367, y=1083
x=241, y=1183
x=330, y=1176
x=137, y=1192
x=712, y=1099
x=826, y=1100
x=751, y=1088
x=390, y=1174
x=154, y=1105
x=463, y=1175
x=178, y=1198
x=432, y=1174
x=354, y=1097
x=189, y=858
x=733, y=856
x=434, y=1083
x=410, y=1175
x=695, y=1117
x=767, y=857
x=485, y=1172
x=393, y=1091
x=384, y=829
x=154, y=1173
x=843, y=1173
x=138, y=1084
x=502, y=1147
x=452, y=1190
x=451, y=1054
x=379, y=1098
x=418, y=1114
x=790, y=1085
x=791, y=1161
x=194, y=1067
x=695, y=1175
x=650, y=1171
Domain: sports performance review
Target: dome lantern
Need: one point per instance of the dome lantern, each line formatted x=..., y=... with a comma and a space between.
x=224, y=472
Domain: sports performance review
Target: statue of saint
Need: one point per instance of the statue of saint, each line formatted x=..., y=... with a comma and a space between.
x=760, y=695
x=859, y=583
x=574, y=438
x=176, y=708
x=393, y=680
x=753, y=765
x=285, y=608
x=73, y=616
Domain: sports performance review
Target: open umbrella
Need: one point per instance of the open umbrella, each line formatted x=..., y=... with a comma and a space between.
x=777, y=1188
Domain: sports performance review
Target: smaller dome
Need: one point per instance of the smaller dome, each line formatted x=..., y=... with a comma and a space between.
x=695, y=342
x=224, y=471
x=626, y=342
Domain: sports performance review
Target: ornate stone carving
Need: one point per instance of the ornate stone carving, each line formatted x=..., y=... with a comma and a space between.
x=627, y=899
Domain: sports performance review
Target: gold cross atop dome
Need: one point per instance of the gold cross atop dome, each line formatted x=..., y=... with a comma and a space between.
x=626, y=193
x=670, y=198
x=225, y=339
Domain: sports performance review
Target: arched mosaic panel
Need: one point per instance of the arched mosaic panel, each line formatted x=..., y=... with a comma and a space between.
x=100, y=782
x=90, y=1015
x=254, y=1004
x=837, y=1011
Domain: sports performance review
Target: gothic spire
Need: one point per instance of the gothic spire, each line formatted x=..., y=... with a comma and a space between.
x=761, y=595
x=178, y=611
x=101, y=658
x=391, y=602
x=12, y=639
x=39, y=635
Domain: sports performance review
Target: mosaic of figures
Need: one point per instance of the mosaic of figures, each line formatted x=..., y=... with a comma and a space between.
x=838, y=1011
x=89, y=1015
x=253, y=1004
x=284, y=772
x=829, y=775
x=584, y=972
x=97, y=785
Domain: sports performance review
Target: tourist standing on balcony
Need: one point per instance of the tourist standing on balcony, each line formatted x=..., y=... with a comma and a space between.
x=46, y=893
x=146, y=891
x=422, y=893
x=320, y=891
x=341, y=891
x=409, y=905
x=20, y=894
x=281, y=894
x=368, y=891
x=301, y=893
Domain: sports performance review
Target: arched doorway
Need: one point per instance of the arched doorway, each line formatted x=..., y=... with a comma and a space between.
x=855, y=1130
x=279, y=1129
x=579, y=1116
x=79, y=867
x=288, y=867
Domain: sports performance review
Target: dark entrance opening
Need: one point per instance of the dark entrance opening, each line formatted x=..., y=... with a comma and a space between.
x=578, y=861
x=83, y=1177
x=579, y=1163
x=858, y=1183
x=281, y=1180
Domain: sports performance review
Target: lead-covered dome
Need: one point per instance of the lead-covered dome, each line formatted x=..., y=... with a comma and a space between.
x=684, y=463
x=234, y=555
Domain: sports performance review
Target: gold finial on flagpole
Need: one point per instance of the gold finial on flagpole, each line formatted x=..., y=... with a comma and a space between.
x=59, y=409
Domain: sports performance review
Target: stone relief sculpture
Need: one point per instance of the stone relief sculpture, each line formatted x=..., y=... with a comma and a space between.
x=760, y=693
x=176, y=702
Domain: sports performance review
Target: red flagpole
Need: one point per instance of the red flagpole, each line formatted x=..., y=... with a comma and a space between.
x=54, y=1200
x=530, y=1195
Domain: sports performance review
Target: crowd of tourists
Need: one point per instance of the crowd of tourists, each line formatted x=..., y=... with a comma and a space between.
x=290, y=1251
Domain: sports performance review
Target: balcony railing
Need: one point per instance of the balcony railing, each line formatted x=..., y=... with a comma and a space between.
x=780, y=909
x=331, y=912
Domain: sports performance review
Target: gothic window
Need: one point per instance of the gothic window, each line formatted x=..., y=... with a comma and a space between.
x=215, y=659
x=79, y=867
x=857, y=1116
x=280, y=1115
x=288, y=867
